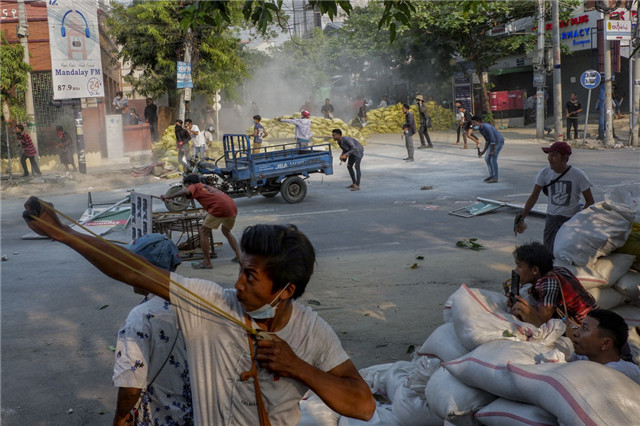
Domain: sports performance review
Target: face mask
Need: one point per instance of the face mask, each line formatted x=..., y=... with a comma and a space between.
x=267, y=311
x=476, y=127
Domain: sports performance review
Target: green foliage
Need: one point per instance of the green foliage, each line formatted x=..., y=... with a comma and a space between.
x=153, y=39
x=263, y=13
x=14, y=78
x=465, y=30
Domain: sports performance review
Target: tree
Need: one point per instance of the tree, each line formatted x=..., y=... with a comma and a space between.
x=467, y=33
x=152, y=40
x=263, y=13
x=14, y=79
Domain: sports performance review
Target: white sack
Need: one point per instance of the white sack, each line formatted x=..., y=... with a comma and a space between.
x=383, y=416
x=604, y=272
x=499, y=298
x=425, y=367
x=315, y=412
x=443, y=343
x=607, y=297
x=486, y=366
x=580, y=392
x=411, y=409
x=479, y=319
x=375, y=377
x=396, y=376
x=625, y=203
x=503, y=412
x=629, y=285
x=452, y=400
x=590, y=234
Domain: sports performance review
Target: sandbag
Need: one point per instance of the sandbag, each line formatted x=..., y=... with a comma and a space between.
x=607, y=297
x=503, y=412
x=411, y=409
x=580, y=392
x=425, y=367
x=443, y=343
x=315, y=412
x=592, y=233
x=624, y=202
x=486, y=366
x=479, y=319
x=396, y=376
x=603, y=272
x=629, y=285
x=383, y=416
x=374, y=376
x=632, y=245
x=452, y=400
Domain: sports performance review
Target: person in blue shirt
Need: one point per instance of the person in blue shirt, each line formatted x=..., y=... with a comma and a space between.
x=493, y=144
x=258, y=133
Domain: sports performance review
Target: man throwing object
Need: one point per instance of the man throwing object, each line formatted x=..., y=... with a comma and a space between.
x=235, y=379
x=352, y=153
x=563, y=184
x=221, y=210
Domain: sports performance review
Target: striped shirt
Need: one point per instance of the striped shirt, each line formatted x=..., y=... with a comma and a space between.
x=547, y=292
x=27, y=145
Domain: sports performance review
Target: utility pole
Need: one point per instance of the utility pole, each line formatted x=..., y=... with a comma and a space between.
x=608, y=109
x=23, y=34
x=635, y=108
x=184, y=96
x=557, y=75
x=540, y=116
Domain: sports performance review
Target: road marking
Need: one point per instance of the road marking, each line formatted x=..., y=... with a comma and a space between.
x=322, y=212
x=395, y=243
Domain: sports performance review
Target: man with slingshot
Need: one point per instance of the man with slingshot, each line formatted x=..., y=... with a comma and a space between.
x=240, y=375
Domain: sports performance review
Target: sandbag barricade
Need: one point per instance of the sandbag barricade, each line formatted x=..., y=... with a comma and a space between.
x=486, y=366
x=580, y=392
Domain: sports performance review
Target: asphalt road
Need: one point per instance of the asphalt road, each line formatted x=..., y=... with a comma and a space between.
x=60, y=315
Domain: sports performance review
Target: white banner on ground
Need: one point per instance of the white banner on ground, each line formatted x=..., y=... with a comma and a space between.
x=76, y=67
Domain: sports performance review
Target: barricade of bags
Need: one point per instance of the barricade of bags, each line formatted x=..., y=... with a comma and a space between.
x=484, y=366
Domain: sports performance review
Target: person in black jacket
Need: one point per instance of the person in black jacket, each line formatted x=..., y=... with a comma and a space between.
x=151, y=117
x=182, y=140
x=409, y=129
x=424, y=123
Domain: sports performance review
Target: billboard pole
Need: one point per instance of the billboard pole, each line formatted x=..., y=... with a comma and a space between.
x=540, y=115
x=23, y=33
x=557, y=75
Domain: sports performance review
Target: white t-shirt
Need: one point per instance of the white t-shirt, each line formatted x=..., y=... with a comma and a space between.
x=627, y=368
x=564, y=195
x=218, y=353
x=145, y=342
x=198, y=140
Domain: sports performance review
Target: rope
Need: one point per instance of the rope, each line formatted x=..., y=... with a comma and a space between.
x=159, y=280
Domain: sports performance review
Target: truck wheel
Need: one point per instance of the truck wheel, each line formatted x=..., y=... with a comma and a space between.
x=176, y=204
x=293, y=189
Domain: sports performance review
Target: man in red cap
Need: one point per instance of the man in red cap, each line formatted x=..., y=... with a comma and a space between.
x=563, y=184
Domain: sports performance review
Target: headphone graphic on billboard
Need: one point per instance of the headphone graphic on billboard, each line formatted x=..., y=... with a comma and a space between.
x=63, y=29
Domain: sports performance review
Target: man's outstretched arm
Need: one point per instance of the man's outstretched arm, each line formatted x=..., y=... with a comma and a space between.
x=121, y=265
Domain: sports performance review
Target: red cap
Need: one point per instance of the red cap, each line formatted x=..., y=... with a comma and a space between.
x=305, y=113
x=560, y=147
